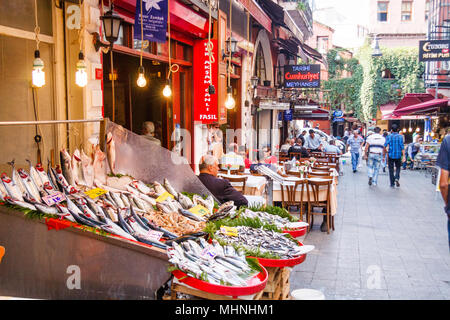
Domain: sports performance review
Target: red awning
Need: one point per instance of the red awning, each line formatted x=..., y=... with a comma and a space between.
x=422, y=108
x=316, y=114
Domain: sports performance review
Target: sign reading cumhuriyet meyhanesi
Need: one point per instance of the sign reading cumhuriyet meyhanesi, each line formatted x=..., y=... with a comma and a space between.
x=302, y=76
x=434, y=50
x=154, y=19
x=205, y=74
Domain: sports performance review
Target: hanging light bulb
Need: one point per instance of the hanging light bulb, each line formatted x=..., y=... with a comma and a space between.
x=38, y=75
x=81, y=75
x=141, y=81
x=229, y=102
x=410, y=129
x=404, y=129
x=432, y=134
x=417, y=129
x=167, y=91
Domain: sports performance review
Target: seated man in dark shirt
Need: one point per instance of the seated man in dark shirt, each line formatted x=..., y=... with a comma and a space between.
x=220, y=188
x=298, y=147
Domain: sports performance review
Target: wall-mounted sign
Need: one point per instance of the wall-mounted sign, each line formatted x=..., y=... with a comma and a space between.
x=434, y=50
x=154, y=19
x=287, y=114
x=302, y=76
x=205, y=74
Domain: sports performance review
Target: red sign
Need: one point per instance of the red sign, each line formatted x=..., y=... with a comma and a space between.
x=98, y=73
x=205, y=74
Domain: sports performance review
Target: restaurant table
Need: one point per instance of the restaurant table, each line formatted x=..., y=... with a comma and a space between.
x=322, y=191
x=254, y=186
x=333, y=172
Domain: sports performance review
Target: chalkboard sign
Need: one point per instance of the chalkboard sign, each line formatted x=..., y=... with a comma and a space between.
x=302, y=76
x=434, y=50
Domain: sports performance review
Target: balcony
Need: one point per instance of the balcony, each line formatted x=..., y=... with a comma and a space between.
x=301, y=12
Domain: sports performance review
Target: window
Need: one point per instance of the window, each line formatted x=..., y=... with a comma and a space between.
x=382, y=10
x=260, y=69
x=427, y=9
x=406, y=10
x=322, y=44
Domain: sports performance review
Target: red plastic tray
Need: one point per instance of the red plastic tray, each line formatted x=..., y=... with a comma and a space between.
x=282, y=262
x=298, y=232
x=256, y=284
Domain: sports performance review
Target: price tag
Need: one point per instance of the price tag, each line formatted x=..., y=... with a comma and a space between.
x=199, y=210
x=229, y=231
x=54, y=198
x=164, y=197
x=155, y=235
x=94, y=193
x=208, y=253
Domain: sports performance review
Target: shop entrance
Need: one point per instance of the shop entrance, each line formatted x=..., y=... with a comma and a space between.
x=135, y=105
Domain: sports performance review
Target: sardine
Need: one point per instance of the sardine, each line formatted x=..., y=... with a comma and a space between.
x=111, y=152
x=66, y=167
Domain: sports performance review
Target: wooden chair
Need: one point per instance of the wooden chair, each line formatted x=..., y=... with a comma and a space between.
x=314, y=202
x=291, y=200
x=317, y=154
x=283, y=157
x=297, y=155
x=319, y=174
x=324, y=169
x=232, y=171
x=294, y=173
x=242, y=180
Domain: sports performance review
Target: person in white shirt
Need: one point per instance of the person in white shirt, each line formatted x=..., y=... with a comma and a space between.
x=374, y=153
x=232, y=158
x=313, y=142
x=332, y=148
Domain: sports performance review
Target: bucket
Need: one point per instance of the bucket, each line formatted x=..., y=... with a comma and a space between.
x=307, y=294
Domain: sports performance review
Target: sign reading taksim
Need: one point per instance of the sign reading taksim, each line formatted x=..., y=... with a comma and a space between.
x=434, y=50
x=205, y=74
x=302, y=76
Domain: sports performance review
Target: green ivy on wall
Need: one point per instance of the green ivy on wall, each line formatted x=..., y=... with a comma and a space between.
x=366, y=89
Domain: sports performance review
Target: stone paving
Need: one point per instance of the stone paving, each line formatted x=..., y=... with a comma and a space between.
x=388, y=243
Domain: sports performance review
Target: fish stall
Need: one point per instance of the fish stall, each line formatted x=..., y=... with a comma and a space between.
x=123, y=223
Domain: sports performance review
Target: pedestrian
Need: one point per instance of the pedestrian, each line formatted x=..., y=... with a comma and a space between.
x=396, y=153
x=355, y=142
x=443, y=161
x=374, y=154
x=384, y=161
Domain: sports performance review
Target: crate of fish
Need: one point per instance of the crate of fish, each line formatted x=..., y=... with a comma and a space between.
x=294, y=228
x=216, y=269
x=271, y=248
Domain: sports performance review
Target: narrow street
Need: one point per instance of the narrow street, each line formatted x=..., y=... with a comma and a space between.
x=388, y=243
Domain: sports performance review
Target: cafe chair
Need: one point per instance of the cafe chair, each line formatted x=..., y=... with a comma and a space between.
x=297, y=155
x=283, y=157
x=242, y=180
x=314, y=201
x=321, y=174
x=294, y=173
x=317, y=154
x=291, y=192
x=232, y=171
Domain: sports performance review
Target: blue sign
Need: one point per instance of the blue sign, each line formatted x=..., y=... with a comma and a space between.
x=287, y=115
x=154, y=19
x=338, y=113
x=338, y=119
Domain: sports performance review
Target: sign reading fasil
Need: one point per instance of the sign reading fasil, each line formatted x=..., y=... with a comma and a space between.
x=302, y=76
x=205, y=74
x=434, y=50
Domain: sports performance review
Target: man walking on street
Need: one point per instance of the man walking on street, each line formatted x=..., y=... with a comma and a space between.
x=355, y=142
x=374, y=154
x=396, y=153
x=443, y=161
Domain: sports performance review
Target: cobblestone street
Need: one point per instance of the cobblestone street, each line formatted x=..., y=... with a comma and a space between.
x=388, y=243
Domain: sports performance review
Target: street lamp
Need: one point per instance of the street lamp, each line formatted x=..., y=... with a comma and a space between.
x=254, y=81
x=376, y=49
x=231, y=47
x=111, y=25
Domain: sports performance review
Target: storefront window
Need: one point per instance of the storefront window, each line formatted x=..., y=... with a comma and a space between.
x=427, y=9
x=260, y=67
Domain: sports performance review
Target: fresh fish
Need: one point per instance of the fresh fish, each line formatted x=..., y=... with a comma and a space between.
x=200, y=201
x=31, y=189
x=141, y=186
x=16, y=179
x=13, y=190
x=84, y=220
x=169, y=188
x=77, y=170
x=185, y=201
x=64, y=213
x=3, y=192
x=111, y=152
x=61, y=180
x=66, y=167
x=111, y=227
x=210, y=201
x=117, y=199
x=46, y=209
x=52, y=178
x=99, y=165
x=124, y=199
x=190, y=215
x=122, y=223
x=42, y=174
x=20, y=203
x=163, y=208
x=142, y=196
x=36, y=178
x=159, y=188
x=95, y=209
x=87, y=169
x=49, y=189
x=138, y=219
x=87, y=212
